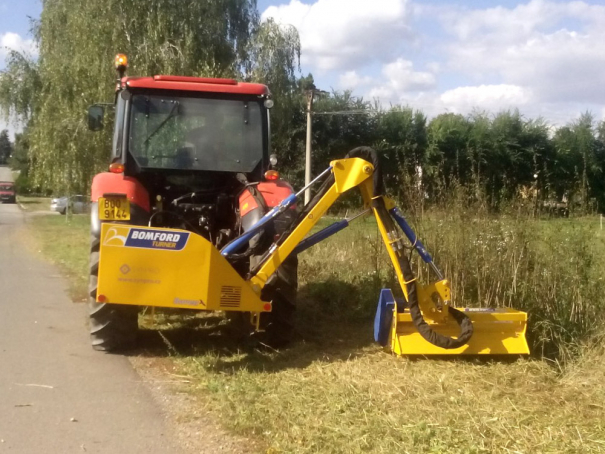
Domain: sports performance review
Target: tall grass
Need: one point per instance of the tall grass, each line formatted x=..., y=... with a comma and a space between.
x=550, y=267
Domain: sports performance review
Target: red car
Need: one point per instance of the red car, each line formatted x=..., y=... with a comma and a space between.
x=7, y=192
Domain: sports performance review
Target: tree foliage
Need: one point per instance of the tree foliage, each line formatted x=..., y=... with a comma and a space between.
x=495, y=156
x=77, y=42
x=6, y=147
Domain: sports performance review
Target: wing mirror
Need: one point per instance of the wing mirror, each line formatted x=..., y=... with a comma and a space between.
x=96, y=114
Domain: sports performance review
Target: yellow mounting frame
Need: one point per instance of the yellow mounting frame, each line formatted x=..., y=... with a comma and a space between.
x=193, y=274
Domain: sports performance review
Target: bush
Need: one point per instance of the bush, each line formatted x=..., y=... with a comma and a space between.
x=25, y=186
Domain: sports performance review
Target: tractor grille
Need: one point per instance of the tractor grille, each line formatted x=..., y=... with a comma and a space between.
x=231, y=296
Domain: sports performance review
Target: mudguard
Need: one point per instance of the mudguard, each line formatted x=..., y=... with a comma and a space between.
x=118, y=183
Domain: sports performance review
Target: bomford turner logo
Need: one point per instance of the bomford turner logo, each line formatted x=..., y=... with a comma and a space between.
x=146, y=238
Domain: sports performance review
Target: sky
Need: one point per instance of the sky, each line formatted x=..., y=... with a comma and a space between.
x=545, y=58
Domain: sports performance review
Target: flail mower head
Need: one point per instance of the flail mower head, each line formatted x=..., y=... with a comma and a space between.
x=495, y=331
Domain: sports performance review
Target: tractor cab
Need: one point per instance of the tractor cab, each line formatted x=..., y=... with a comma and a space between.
x=187, y=146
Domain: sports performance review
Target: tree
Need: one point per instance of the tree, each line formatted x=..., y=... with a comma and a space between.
x=448, y=136
x=402, y=142
x=274, y=59
x=77, y=41
x=6, y=147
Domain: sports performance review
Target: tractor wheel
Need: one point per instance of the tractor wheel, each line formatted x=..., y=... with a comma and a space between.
x=112, y=327
x=279, y=323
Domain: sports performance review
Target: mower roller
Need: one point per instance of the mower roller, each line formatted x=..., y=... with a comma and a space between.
x=175, y=268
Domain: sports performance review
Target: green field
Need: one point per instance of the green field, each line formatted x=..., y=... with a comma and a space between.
x=335, y=391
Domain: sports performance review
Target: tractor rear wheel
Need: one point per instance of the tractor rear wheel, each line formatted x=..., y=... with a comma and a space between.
x=278, y=324
x=112, y=326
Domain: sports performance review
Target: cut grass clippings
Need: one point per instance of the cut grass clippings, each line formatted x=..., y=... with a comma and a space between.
x=334, y=391
x=309, y=400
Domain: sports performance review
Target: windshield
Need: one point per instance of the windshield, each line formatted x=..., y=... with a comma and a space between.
x=6, y=187
x=195, y=133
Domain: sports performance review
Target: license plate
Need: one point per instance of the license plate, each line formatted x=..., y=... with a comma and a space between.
x=114, y=209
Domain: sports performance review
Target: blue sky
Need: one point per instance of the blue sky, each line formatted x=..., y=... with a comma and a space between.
x=544, y=57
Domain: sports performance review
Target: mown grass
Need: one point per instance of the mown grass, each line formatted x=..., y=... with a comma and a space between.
x=335, y=391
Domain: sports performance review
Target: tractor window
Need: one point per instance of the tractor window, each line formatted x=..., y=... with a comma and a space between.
x=195, y=133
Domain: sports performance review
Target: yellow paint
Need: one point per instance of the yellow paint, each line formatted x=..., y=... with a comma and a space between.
x=496, y=333
x=195, y=277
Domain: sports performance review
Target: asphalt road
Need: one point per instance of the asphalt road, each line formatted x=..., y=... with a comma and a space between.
x=57, y=395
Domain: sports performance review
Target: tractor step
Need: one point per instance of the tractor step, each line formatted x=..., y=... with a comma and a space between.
x=496, y=331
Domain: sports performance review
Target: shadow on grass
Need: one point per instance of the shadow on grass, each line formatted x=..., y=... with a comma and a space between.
x=334, y=322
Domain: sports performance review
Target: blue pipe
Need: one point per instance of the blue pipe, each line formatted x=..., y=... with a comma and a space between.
x=241, y=240
x=411, y=235
x=321, y=235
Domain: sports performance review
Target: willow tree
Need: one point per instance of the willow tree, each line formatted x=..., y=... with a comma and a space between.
x=274, y=59
x=77, y=41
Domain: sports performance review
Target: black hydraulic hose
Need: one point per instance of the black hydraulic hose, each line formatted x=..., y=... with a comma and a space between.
x=446, y=342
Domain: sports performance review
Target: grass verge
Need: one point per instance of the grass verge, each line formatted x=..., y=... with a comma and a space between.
x=34, y=203
x=334, y=391
x=65, y=241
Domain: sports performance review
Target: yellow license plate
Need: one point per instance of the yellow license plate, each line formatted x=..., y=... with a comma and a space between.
x=114, y=209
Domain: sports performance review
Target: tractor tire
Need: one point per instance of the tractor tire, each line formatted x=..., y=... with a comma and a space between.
x=113, y=327
x=278, y=324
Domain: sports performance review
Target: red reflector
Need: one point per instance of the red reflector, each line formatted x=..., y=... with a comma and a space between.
x=116, y=167
x=271, y=175
x=267, y=307
x=101, y=298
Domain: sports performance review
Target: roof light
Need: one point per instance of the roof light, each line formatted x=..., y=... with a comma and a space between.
x=271, y=175
x=116, y=167
x=121, y=62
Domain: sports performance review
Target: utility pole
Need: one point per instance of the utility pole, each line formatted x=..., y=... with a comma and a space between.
x=310, y=95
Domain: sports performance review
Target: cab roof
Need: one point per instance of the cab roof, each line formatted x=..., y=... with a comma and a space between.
x=198, y=84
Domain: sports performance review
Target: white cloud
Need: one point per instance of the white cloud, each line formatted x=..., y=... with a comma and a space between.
x=398, y=81
x=533, y=46
x=346, y=34
x=13, y=41
x=402, y=76
x=489, y=97
x=351, y=80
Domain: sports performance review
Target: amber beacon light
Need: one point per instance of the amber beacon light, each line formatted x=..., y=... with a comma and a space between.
x=121, y=62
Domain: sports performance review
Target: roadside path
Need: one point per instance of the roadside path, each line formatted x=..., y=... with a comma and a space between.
x=57, y=395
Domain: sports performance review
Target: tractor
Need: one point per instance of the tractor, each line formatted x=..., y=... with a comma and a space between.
x=189, y=153
x=193, y=215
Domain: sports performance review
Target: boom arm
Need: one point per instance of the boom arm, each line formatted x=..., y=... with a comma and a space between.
x=354, y=172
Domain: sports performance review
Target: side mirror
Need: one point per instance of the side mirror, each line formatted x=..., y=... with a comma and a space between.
x=95, y=117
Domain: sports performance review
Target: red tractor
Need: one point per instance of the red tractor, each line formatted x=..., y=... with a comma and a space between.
x=190, y=153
